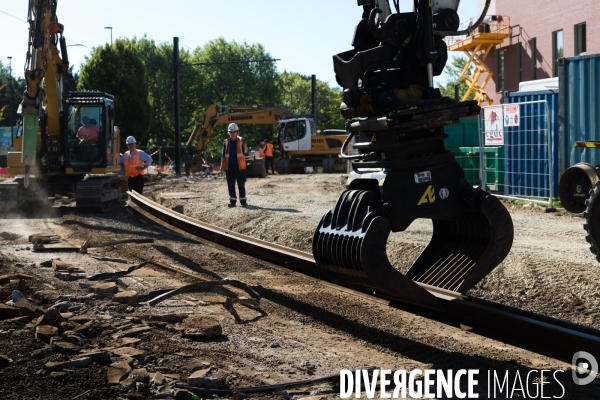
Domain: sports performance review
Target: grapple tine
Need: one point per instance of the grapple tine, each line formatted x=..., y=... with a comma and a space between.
x=463, y=252
x=358, y=255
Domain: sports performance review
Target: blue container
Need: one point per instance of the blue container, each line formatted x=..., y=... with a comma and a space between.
x=579, y=109
x=526, y=146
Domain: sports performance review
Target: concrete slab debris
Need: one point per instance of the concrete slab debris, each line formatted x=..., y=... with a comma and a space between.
x=77, y=363
x=126, y=297
x=104, y=288
x=198, y=326
x=45, y=332
x=117, y=371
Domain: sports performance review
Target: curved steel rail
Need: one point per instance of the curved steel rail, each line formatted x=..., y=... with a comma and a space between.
x=544, y=335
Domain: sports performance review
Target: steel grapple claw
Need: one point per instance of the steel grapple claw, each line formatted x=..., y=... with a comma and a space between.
x=349, y=246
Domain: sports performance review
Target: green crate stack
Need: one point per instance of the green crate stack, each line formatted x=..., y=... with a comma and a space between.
x=469, y=162
x=494, y=168
x=468, y=158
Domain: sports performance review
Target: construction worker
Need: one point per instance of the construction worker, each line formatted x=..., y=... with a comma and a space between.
x=261, y=149
x=134, y=162
x=233, y=162
x=269, y=156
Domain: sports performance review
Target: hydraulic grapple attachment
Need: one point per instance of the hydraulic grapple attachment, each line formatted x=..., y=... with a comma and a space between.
x=472, y=234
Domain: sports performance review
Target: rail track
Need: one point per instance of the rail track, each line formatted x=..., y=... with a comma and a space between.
x=538, y=333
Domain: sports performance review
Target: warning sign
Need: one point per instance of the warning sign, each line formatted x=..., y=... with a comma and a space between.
x=494, y=126
x=512, y=116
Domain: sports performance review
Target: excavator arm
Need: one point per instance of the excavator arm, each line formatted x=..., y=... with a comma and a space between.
x=44, y=69
x=244, y=115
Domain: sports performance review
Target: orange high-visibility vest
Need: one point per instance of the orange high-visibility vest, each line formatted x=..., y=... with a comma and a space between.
x=130, y=165
x=241, y=159
x=261, y=151
x=269, y=150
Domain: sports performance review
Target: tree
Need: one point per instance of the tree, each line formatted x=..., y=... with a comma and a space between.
x=70, y=80
x=453, y=71
x=224, y=78
x=159, y=77
x=18, y=87
x=295, y=93
x=119, y=70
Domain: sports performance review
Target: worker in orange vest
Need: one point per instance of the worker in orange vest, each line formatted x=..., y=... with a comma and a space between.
x=134, y=162
x=269, y=156
x=261, y=149
x=233, y=162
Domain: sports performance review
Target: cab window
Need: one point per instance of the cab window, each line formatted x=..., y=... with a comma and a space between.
x=294, y=130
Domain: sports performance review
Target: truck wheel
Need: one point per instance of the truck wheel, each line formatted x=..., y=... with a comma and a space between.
x=592, y=219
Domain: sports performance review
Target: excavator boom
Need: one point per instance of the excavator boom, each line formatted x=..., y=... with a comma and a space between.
x=240, y=114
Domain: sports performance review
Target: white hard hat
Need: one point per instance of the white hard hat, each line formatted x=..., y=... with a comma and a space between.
x=232, y=127
x=130, y=139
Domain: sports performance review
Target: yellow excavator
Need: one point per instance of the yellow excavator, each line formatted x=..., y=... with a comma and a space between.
x=299, y=141
x=67, y=144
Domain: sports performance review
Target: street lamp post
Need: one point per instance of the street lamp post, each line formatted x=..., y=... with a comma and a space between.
x=10, y=100
x=109, y=27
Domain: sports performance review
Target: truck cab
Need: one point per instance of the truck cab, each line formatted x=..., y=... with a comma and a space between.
x=297, y=133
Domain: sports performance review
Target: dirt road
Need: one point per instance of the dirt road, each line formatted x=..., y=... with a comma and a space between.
x=311, y=330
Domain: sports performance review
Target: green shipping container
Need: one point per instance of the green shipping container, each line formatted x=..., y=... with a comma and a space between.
x=463, y=134
x=468, y=159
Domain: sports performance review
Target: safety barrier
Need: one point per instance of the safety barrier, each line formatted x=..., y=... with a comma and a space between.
x=518, y=155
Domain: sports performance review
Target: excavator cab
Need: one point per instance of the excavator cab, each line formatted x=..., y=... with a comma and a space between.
x=88, y=135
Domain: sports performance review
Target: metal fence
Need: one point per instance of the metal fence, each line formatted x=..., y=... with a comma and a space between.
x=523, y=164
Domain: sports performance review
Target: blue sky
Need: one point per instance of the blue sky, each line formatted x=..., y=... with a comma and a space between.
x=304, y=35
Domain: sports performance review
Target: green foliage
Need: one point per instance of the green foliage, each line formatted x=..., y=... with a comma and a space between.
x=18, y=87
x=70, y=80
x=295, y=93
x=208, y=75
x=453, y=70
x=119, y=70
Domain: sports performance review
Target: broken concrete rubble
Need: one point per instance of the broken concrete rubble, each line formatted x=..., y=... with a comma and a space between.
x=117, y=371
x=197, y=326
x=45, y=332
x=77, y=363
x=202, y=378
x=126, y=297
x=104, y=288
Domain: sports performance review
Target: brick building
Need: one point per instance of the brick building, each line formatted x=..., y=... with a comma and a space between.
x=540, y=32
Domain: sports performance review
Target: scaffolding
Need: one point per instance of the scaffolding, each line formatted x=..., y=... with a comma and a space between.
x=477, y=46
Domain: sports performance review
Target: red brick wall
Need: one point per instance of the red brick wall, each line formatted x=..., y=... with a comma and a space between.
x=538, y=19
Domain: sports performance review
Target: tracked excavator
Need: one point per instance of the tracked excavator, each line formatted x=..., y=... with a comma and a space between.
x=297, y=135
x=241, y=115
x=52, y=155
x=402, y=170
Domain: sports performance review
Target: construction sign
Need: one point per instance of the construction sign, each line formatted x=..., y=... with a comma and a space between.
x=494, y=125
x=512, y=116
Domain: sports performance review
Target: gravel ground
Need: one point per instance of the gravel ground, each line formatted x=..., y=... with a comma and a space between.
x=311, y=330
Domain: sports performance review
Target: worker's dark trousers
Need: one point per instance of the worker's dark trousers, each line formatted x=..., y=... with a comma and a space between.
x=234, y=175
x=136, y=183
x=269, y=161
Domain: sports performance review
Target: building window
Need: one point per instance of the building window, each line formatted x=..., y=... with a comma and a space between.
x=557, y=50
x=580, y=45
x=519, y=63
x=500, y=71
x=533, y=47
